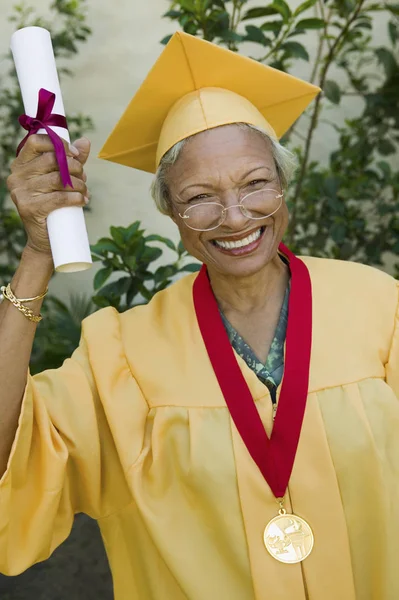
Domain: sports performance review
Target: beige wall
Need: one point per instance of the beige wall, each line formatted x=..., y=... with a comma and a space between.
x=107, y=72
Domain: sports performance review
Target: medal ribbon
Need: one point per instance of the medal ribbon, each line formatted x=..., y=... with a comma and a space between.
x=275, y=456
x=44, y=120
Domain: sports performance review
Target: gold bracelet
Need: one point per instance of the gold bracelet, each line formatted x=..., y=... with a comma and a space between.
x=39, y=297
x=29, y=314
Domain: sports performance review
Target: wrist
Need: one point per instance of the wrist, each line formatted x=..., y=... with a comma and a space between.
x=33, y=274
x=38, y=260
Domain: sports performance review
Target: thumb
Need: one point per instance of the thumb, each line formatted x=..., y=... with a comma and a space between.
x=83, y=147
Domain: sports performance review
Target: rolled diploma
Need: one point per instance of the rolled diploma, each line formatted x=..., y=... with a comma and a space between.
x=35, y=65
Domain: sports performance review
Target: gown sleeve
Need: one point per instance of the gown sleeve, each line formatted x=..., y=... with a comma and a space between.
x=63, y=460
x=392, y=367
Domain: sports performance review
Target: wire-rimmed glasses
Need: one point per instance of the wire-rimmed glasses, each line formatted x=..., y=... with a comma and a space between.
x=256, y=205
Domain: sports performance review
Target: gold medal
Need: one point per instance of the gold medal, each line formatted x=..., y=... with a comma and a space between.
x=288, y=538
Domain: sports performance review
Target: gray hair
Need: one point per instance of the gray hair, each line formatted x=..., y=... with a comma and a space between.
x=285, y=161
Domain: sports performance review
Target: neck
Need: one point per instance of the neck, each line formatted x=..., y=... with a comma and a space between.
x=250, y=293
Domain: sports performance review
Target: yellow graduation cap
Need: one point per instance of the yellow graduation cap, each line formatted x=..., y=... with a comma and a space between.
x=194, y=86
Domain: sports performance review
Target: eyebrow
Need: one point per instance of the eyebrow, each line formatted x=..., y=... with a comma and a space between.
x=210, y=186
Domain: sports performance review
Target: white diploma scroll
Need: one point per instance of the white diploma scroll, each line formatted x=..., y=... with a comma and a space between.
x=35, y=65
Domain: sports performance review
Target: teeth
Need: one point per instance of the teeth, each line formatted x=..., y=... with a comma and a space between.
x=240, y=243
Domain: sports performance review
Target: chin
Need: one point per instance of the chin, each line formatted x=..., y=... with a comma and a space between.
x=242, y=267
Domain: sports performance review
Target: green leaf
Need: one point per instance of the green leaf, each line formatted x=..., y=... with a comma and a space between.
x=191, y=267
x=338, y=232
x=147, y=295
x=364, y=23
x=385, y=168
x=295, y=32
x=150, y=254
x=132, y=230
x=166, y=39
x=304, y=6
x=255, y=34
x=131, y=293
x=105, y=245
x=274, y=26
x=163, y=240
x=385, y=147
x=231, y=36
x=346, y=250
x=187, y=4
x=139, y=248
x=180, y=248
x=332, y=92
x=387, y=59
x=116, y=288
x=393, y=8
x=117, y=234
x=393, y=32
x=310, y=24
x=375, y=7
x=254, y=13
x=101, y=277
x=172, y=14
x=282, y=7
x=163, y=273
x=296, y=50
x=331, y=186
x=131, y=262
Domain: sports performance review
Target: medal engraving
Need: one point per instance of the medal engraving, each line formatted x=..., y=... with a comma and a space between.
x=288, y=538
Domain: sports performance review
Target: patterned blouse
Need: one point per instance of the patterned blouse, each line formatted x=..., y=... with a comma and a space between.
x=270, y=373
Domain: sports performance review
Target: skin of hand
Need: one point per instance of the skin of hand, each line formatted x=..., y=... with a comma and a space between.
x=36, y=188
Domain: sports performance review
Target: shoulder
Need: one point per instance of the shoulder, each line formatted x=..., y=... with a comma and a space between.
x=109, y=323
x=346, y=270
x=354, y=308
x=147, y=343
x=167, y=304
x=352, y=282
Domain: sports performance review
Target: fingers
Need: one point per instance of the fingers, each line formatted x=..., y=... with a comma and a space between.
x=37, y=209
x=83, y=145
x=51, y=182
x=47, y=163
x=35, y=145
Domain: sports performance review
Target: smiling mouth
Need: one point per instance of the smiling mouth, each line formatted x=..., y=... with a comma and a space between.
x=241, y=244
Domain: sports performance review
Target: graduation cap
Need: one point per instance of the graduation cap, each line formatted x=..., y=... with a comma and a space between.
x=194, y=86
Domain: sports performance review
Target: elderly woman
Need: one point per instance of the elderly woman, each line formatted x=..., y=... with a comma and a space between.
x=236, y=438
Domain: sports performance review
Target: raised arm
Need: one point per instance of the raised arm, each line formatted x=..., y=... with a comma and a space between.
x=36, y=190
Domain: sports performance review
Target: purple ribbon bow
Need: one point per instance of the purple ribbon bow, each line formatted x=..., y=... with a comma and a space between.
x=44, y=120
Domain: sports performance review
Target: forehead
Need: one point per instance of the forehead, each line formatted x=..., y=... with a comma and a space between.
x=230, y=150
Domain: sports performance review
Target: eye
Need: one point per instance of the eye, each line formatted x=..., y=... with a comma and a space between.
x=257, y=182
x=198, y=198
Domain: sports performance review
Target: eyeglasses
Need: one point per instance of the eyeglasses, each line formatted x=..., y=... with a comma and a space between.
x=210, y=215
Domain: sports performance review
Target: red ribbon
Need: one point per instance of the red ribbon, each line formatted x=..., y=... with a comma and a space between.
x=44, y=120
x=275, y=456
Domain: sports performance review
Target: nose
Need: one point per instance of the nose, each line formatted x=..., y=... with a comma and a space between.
x=234, y=219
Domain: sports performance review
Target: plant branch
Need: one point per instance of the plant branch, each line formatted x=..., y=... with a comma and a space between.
x=279, y=40
x=335, y=48
x=235, y=20
x=323, y=37
x=233, y=16
x=299, y=135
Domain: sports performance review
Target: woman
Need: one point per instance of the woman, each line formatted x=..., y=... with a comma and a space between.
x=157, y=425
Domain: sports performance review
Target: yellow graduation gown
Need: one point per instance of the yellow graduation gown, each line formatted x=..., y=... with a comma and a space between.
x=134, y=431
